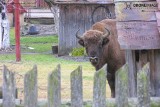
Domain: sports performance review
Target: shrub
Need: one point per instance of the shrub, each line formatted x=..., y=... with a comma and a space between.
x=78, y=51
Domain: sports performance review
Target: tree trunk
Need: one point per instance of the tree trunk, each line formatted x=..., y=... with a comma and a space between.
x=4, y=28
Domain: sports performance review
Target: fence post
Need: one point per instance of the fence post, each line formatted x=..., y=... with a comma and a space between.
x=8, y=88
x=99, y=88
x=155, y=73
x=76, y=88
x=54, y=88
x=130, y=60
x=30, y=88
x=1, y=32
x=143, y=87
x=122, y=87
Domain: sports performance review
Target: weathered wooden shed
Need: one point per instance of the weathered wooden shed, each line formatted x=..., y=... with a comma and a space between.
x=138, y=27
x=79, y=14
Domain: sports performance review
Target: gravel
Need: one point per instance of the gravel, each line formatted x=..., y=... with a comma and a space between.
x=77, y=59
x=44, y=30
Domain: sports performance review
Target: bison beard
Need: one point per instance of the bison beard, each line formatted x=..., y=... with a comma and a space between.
x=102, y=48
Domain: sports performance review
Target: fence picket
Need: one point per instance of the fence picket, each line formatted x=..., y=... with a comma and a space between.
x=30, y=88
x=143, y=87
x=76, y=88
x=54, y=88
x=8, y=88
x=143, y=98
x=122, y=87
x=99, y=89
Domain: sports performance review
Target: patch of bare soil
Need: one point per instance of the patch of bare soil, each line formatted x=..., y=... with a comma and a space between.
x=42, y=29
x=77, y=59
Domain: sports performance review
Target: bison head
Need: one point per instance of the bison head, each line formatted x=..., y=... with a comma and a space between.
x=94, y=42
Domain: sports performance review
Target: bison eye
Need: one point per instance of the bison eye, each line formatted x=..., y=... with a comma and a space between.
x=81, y=42
x=105, y=41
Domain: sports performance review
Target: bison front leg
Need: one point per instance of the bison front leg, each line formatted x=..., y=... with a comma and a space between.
x=111, y=82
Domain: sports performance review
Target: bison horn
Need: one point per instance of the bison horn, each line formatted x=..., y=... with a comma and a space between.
x=107, y=34
x=79, y=37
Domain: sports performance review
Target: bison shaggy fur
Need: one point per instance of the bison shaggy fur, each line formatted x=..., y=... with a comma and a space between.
x=102, y=47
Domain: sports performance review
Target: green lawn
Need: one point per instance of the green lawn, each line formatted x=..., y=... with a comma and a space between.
x=45, y=64
x=35, y=44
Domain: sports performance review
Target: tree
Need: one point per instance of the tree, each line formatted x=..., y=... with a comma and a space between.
x=4, y=28
x=55, y=10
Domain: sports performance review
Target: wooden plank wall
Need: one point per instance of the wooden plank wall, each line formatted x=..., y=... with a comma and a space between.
x=158, y=1
x=158, y=15
x=137, y=25
x=74, y=17
x=141, y=41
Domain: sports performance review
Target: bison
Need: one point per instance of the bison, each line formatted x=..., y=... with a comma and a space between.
x=102, y=47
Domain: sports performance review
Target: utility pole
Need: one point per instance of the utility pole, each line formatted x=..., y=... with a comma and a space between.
x=17, y=30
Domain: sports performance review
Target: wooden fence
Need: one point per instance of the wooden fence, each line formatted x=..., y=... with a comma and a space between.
x=143, y=98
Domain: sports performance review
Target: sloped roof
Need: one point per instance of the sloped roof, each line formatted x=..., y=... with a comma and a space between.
x=81, y=1
x=11, y=6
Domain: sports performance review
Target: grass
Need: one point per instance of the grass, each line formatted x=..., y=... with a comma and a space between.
x=38, y=44
x=45, y=64
x=78, y=51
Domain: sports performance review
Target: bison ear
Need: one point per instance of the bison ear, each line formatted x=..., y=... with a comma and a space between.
x=81, y=42
x=105, y=41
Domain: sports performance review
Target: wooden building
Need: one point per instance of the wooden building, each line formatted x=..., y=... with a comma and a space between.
x=138, y=27
x=79, y=14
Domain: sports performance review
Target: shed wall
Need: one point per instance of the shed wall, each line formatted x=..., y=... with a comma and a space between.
x=79, y=16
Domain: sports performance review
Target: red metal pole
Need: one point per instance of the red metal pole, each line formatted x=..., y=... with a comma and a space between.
x=17, y=30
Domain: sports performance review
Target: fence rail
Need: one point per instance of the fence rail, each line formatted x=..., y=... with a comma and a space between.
x=143, y=98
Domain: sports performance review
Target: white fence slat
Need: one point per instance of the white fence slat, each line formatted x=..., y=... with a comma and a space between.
x=99, y=89
x=143, y=87
x=8, y=88
x=30, y=88
x=76, y=88
x=0, y=31
x=54, y=88
x=122, y=87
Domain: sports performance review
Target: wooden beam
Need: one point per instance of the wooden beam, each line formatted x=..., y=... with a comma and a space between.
x=129, y=11
x=158, y=1
x=158, y=19
x=131, y=61
x=88, y=2
x=138, y=35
